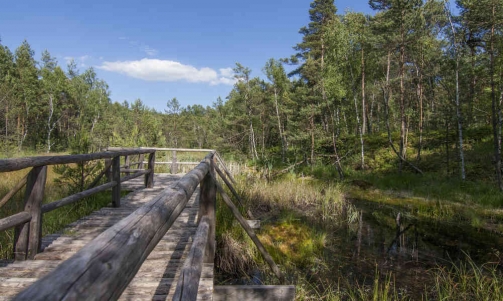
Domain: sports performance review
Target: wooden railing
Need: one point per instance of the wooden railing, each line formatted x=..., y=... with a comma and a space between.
x=28, y=223
x=104, y=267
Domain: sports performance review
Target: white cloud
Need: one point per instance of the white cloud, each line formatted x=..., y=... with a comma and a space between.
x=168, y=71
x=227, y=72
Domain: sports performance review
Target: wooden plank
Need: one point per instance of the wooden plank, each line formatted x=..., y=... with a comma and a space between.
x=76, y=197
x=149, y=177
x=174, y=166
x=225, y=168
x=14, y=220
x=141, y=158
x=254, y=224
x=178, y=163
x=116, y=177
x=188, y=282
x=135, y=175
x=235, y=211
x=22, y=163
x=27, y=238
x=13, y=191
x=254, y=292
x=106, y=265
x=128, y=171
x=207, y=203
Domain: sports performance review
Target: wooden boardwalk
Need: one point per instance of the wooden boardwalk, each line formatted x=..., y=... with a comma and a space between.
x=157, y=277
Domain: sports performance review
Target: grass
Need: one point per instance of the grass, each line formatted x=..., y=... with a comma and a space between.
x=300, y=211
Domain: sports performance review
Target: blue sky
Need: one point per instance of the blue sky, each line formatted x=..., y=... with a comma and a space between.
x=157, y=50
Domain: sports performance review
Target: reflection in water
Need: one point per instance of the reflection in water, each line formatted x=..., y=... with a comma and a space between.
x=383, y=241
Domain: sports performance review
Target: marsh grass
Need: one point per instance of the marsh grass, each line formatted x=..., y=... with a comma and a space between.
x=467, y=281
x=298, y=212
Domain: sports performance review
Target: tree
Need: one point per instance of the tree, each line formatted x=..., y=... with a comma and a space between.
x=27, y=91
x=54, y=93
x=276, y=74
x=312, y=54
x=401, y=17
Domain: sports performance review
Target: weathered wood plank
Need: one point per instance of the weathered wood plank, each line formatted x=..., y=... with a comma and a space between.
x=22, y=163
x=188, y=283
x=107, y=264
x=116, y=177
x=174, y=165
x=135, y=175
x=254, y=292
x=27, y=238
x=149, y=178
x=128, y=171
x=254, y=224
x=221, y=161
x=14, y=220
x=76, y=197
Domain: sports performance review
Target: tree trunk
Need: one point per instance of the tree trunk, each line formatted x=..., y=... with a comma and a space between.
x=402, y=95
x=495, y=110
x=282, y=138
x=364, y=108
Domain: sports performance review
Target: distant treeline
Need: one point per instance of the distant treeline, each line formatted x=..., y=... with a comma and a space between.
x=412, y=68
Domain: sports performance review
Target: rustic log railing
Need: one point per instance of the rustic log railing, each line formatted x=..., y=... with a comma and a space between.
x=28, y=223
x=104, y=267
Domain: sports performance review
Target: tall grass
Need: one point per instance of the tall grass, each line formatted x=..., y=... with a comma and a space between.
x=298, y=213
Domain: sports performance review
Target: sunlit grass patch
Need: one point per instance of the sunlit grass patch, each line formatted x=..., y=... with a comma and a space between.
x=290, y=241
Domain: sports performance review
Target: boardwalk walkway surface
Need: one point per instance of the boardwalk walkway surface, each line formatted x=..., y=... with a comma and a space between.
x=157, y=277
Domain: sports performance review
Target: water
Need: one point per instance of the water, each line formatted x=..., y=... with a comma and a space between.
x=384, y=241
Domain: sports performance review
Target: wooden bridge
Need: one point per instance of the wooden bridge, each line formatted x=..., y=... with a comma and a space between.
x=156, y=243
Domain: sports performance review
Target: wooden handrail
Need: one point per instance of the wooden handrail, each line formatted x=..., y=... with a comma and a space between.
x=76, y=197
x=21, y=163
x=106, y=265
x=202, y=150
x=188, y=282
x=27, y=236
x=14, y=220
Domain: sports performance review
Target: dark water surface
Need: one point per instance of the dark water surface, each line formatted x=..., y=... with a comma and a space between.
x=383, y=241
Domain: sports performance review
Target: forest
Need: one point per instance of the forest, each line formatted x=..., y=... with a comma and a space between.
x=381, y=129
x=407, y=74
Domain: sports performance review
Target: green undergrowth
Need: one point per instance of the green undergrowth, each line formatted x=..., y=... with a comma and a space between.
x=301, y=210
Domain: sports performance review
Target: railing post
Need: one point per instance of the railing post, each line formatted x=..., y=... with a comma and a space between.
x=141, y=157
x=127, y=163
x=27, y=237
x=116, y=176
x=149, y=177
x=207, y=202
x=174, y=166
x=108, y=173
